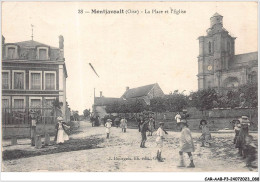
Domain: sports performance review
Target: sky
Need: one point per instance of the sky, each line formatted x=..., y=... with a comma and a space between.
x=127, y=49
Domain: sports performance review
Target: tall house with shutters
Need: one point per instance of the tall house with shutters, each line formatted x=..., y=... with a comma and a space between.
x=33, y=75
x=218, y=66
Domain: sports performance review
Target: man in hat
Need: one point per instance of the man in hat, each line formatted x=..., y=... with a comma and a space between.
x=108, y=125
x=159, y=141
x=143, y=129
x=33, y=127
x=186, y=144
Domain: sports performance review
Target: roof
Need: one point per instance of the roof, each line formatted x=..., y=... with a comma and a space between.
x=32, y=44
x=243, y=58
x=102, y=101
x=138, y=92
x=216, y=14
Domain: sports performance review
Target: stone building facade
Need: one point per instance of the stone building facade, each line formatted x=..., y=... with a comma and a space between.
x=33, y=75
x=218, y=66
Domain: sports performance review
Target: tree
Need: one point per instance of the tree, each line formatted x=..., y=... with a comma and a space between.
x=157, y=104
x=176, y=102
x=75, y=115
x=203, y=99
x=249, y=92
x=86, y=113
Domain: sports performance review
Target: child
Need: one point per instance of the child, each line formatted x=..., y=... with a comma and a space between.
x=237, y=127
x=206, y=136
x=240, y=142
x=159, y=141
x=108, y=125
x=186, y=144
x=178, y=117
x=123, y=124
x=250, y=151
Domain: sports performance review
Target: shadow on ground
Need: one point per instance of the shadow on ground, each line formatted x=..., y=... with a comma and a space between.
x=71, y=145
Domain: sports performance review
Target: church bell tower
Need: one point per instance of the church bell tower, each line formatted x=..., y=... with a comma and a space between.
x=216, y=51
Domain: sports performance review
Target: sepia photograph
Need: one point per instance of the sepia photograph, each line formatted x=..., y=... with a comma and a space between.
x=130, y=87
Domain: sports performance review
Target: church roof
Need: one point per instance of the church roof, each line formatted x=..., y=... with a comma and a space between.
x=242, y=58
x=138, y=92
x=216, y=14
x=32, y=44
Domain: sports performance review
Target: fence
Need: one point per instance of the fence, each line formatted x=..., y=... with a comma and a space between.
x=17, y=121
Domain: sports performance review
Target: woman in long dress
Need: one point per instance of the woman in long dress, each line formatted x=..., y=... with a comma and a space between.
x=61, y=134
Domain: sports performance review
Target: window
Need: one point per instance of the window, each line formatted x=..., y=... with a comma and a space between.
x=5, y=80
x=11, y=52
x=49, y=101
x=35, y=78
x=42, y=53
x=50, y=80
x=5, y=103
x=18, y=104
x=209, y=47
x=18, y=79
x=35, y=103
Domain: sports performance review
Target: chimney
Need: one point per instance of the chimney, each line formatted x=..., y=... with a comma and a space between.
x=3, y=40
x=101, y=94
x=127, y=88
x=61, y=46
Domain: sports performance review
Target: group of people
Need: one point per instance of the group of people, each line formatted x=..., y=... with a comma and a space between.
x=61, y=134
x=244, y=142
x=146, y=123
x=123, y=125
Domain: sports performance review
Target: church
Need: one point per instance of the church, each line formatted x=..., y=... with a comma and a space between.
x=218, y=66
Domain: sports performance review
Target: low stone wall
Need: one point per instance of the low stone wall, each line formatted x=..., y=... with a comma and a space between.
x=23, y=131
x=218, y=119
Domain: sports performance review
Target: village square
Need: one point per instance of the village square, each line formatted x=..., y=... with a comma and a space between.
x=139, y=129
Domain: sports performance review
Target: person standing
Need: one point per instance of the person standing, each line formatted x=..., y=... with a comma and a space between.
x=250, y=150
x=143, y=129
x=123, y=124
x=237, y=127
x=240, y=142
x=159, y=141
x=61, y=131
x=108, y=126
x=117, y=121
x=33, y=127
x=186, y=144
x=178, y=117
x=206, y=136
x=139, y=122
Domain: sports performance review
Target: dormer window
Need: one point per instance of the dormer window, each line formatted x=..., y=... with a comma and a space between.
x=42, y=53
x=11, y=52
